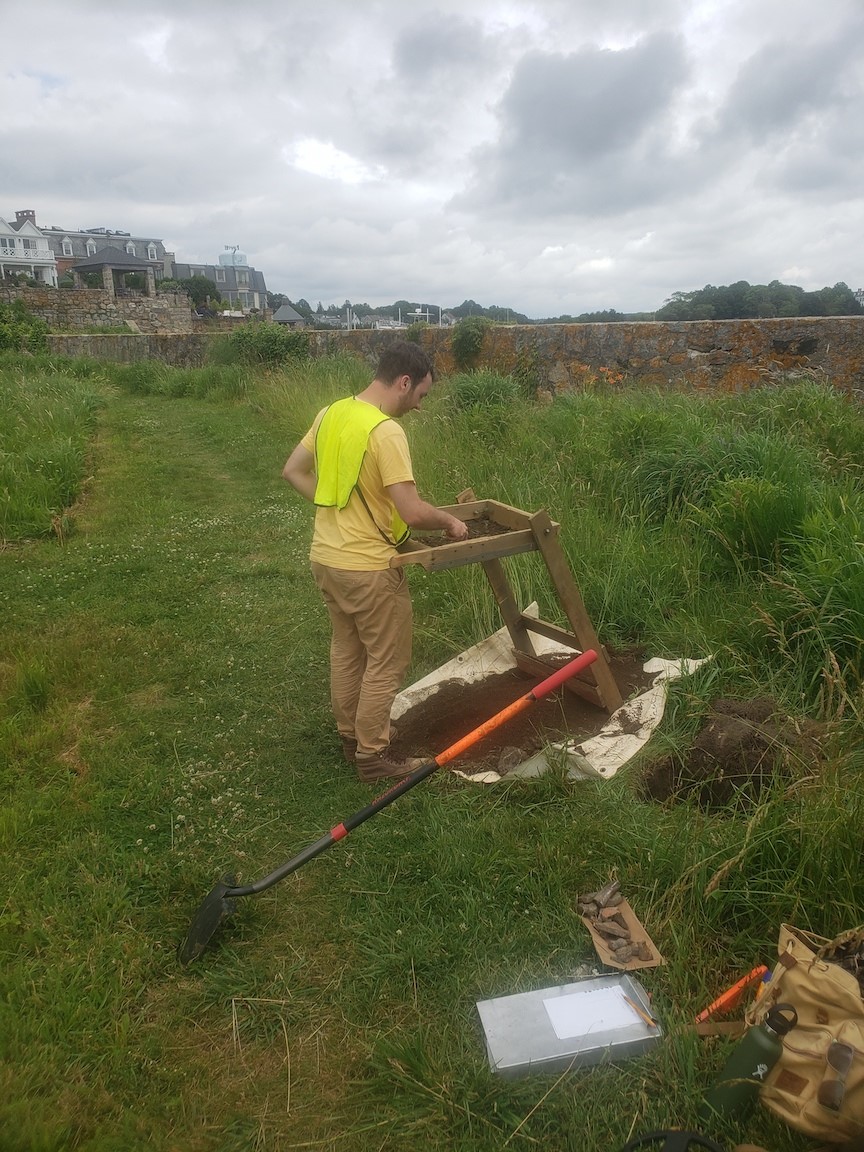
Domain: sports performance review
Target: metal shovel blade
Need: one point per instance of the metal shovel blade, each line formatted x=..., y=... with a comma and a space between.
x=209, y=916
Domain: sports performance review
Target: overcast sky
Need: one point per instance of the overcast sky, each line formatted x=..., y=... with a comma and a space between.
x=550, y=156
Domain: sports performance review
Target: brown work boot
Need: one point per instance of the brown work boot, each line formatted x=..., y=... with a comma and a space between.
x=349, y=747
x=384, y=766
x=349, y=744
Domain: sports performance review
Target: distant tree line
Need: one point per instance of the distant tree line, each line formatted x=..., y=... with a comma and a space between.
x=743, y=301
x=739, y=301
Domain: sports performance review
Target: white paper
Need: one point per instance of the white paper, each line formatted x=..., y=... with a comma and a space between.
x=580, y=1013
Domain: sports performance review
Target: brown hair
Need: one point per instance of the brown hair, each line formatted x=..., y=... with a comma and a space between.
x=403, y=358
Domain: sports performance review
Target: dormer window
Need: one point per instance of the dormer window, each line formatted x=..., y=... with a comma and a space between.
x=130, y=248
x=151, y=252
x=91, y=247
x=67, y=247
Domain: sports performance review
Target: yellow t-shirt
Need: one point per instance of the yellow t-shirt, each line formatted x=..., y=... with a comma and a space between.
x=349, y=538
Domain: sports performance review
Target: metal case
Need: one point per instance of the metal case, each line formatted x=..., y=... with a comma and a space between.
x=521, y=1037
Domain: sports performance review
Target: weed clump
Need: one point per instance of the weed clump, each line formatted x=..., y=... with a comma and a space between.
x=466, y=342
x=267, y=345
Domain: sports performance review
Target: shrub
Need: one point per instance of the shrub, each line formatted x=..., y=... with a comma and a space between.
x=466, y=342
x=268, y=344
x=19, y=330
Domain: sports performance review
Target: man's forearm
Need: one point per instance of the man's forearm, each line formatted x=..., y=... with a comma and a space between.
x=299, y=471
x=427, y=516
x=418, y=513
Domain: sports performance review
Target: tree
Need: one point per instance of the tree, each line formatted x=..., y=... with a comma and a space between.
x=200, y=289
x=741, y=301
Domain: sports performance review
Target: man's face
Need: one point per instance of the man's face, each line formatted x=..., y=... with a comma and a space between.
x=411, y=398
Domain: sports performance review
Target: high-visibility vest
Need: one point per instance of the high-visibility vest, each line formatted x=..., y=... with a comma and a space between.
x=340, y=446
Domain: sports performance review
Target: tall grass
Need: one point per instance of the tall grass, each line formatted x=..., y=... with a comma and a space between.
x=164, y=718
x=48, y=420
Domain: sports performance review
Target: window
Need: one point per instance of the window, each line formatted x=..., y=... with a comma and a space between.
x=29, y=245
x=67, y=247
x=220, y=275
x=130, y=248
x=151, y=252
x=242, y=278
x=7, y=243
x=243, y=297
x=91, y=247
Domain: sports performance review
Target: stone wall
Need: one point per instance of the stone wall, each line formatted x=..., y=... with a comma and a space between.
x=74, y=309
x=729, y=354
x=180, y=351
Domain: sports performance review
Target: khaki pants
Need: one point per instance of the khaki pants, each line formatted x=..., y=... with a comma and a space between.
x=370, y=649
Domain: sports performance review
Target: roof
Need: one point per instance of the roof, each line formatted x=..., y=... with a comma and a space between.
x=285, y=314
x=113, y=258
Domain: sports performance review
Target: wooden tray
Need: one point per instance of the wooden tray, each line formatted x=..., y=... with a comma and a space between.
x=517, y=537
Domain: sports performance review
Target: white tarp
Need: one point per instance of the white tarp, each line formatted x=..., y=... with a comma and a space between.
x=626, y=731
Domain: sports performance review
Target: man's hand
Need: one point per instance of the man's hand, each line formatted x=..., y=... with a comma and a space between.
x=457, y=530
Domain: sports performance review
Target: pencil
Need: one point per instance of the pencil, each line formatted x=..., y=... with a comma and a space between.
x=649, y=1020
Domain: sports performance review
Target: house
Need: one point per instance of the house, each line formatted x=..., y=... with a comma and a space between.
x=237, y=283
x=71, y=246
x=25, y=250
x=287, y=315
x=111, y=261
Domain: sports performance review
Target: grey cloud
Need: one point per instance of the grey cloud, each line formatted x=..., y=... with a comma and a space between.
x=583, y=131
x=450, y=45
x=590, y=102
x=782, y=84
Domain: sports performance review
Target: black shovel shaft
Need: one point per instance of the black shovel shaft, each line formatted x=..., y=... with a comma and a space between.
x=337, y=833
x=419, y=774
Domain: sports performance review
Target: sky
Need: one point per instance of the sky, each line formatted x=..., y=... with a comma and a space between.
x=550, y=156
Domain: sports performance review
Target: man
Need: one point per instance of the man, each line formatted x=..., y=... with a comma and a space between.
x=354, y=465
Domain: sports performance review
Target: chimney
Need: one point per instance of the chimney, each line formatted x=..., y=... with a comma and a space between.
x=25, y=215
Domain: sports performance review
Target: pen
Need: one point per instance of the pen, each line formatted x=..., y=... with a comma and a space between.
x=649, y=1020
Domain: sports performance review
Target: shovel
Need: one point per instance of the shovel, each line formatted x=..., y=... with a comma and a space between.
x=221, y=902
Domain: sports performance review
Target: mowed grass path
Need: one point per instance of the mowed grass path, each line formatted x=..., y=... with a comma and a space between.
x=164, y=677
x=166, y=672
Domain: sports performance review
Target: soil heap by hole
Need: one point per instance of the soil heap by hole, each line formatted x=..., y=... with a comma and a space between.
x=743, y=746
x=457, y=708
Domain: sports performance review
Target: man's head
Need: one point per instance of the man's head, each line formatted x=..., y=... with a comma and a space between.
x=402, y=358
x=405, y=370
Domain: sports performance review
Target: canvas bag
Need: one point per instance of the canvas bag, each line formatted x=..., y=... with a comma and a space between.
x=830, y=1008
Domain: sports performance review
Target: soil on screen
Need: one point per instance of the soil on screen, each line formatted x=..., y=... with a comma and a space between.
x=478, y=527
x=457, y=708
x=742, y=749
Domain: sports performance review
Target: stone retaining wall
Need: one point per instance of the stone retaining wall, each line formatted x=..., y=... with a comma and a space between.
x=72, y=309
x=181, y=351
x=729, y=354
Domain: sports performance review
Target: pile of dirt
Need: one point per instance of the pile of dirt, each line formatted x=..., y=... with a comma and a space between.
x=457, y=708
x=742, y=748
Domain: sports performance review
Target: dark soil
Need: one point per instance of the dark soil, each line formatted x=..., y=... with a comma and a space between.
x=478, y=527
x=743, y=747
x=457, y=708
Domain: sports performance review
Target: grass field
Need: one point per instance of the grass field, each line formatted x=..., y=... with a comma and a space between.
x=164, y=719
